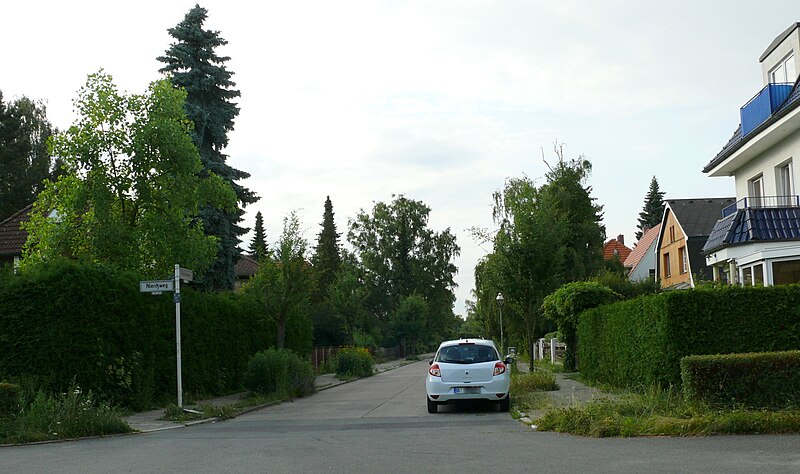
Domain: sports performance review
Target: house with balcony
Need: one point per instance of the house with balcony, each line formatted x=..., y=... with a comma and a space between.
x=756, y=241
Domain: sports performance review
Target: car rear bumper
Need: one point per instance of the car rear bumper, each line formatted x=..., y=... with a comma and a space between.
x=439, y=391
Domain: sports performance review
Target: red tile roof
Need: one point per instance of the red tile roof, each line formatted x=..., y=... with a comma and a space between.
x=246, y=267
x=640, y=249
x=615, y=247
x=12, y=237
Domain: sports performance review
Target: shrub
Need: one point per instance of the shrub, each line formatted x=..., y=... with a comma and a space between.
x=280, y=372
x=9, y=399
x=354, y=362
x=755, y=380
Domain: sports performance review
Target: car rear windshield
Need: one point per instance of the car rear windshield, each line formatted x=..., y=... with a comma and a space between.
x=467, y=354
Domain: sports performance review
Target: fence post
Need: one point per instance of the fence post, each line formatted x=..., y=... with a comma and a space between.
x=553, y=350
x=541, y=349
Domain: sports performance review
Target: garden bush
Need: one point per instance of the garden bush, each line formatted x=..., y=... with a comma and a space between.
x=280, y=372
x=9, y=399
x=354, y=362
x=756, y=380
x=640, y=342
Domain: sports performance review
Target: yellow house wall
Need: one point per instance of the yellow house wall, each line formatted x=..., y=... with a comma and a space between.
x=675, y=259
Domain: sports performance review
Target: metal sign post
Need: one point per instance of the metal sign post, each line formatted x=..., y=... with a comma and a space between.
x=178, y=331
x=156, y=287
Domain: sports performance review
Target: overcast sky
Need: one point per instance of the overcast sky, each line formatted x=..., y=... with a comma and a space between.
x=438, y=100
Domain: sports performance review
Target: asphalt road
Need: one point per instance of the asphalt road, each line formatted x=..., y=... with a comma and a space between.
x=381, y=425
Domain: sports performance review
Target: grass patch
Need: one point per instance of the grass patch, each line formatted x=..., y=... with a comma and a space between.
x=73, y=414
x=205, y=411
x=662, y=413
x=557, y=368
x=528, y=391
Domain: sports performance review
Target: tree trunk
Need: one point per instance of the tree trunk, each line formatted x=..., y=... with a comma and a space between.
x=281, y=333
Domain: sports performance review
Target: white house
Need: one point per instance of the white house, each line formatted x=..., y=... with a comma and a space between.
x=641, y=262
x=757, y=240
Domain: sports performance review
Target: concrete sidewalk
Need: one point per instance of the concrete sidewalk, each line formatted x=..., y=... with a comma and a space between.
x=570, y=393
x=152, y=420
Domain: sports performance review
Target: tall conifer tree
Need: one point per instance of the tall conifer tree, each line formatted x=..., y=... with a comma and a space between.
x=327, y=256
x=258, y=246
x=24, y=159
x=193, y=64
x=653, y=209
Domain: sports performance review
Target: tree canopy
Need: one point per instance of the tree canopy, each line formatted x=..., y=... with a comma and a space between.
x=193, y=64
x=129, y=192
x=400, y=256
x=25, y=161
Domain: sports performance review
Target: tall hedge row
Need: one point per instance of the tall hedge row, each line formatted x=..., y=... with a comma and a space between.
x=91, y=324
x=641, y=341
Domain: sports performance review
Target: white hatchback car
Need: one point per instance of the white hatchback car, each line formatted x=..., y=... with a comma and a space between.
x=468, y=369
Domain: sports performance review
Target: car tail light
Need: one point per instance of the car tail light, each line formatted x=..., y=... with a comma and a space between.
x=434, y=370
x=499, y=368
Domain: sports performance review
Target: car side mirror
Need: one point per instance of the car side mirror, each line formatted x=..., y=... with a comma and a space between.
x=430, y=362
x=509, y=360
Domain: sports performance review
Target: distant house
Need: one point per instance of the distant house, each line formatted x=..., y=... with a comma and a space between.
x=641, y=263
x=245, y=268
x=615, y=248
x=757, y=240
x=13, y=237
x=685, y=226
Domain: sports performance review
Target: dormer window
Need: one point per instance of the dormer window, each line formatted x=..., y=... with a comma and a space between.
x=784, y=71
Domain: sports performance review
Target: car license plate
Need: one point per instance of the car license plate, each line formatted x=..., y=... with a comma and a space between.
x=466, y=390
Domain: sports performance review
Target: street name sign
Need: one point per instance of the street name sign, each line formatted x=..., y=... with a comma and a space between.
x=186, y=274
x=156, y=286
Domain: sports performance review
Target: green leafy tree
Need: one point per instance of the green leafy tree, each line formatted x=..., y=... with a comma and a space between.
x=653, y=209
x=347, y=297
x=258, y=246
x=400, y=256
x=24, y=159
x=547, y=236
x=129, y=189
x=409, y=321
x=284, y=283
x=192, y=64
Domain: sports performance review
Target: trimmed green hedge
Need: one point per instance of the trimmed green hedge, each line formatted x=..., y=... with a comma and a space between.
x=756, y=380
x=91, y=325
x=641, y=341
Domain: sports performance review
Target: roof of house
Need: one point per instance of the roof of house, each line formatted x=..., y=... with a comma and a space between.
x=614, y=248
x=12, y=237
x=752, y=224
x=641, y=247
x=698, y=216
x=778, y=40
x=246, y=267
x=738, y=140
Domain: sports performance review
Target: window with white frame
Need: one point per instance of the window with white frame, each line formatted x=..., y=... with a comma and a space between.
x=684, y=260
x=784, y=179
x=756, y=190
x=784, y=71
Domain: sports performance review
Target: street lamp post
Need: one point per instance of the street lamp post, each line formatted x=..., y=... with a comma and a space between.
x=500, y=301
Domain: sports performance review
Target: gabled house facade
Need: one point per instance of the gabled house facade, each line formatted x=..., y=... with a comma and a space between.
x=685, y=227
x=641, y=263
x=756, y=241
x=13, y=237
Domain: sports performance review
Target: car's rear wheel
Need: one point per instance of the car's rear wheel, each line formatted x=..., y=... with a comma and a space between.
x=433, y=407
x=505, y=403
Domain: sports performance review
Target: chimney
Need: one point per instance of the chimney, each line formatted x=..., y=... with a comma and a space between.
x=621, y=239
